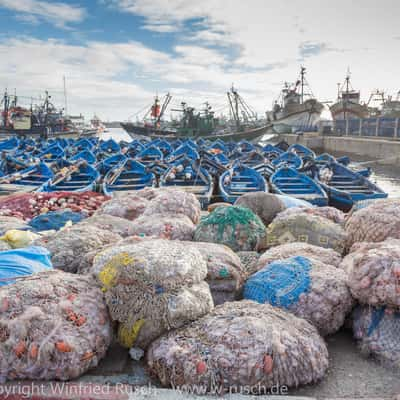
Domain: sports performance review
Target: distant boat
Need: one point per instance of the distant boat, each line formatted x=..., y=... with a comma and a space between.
x=238, y=181
x=288, y=181
x=295, y=109
x=301, y=151
x=289, y=159
x=128, y=175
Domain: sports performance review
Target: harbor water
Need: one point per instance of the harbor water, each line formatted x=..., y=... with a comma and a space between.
x=387, y=177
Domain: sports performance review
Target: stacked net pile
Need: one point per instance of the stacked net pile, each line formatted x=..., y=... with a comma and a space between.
x=9, y=223
x=53, y=325
x=240, y=346
x=325, y=256
x=378, y=332
x=374, y=223
x=311, y=229
x=166, y=226
x=374, y=273
x=249, y=260
x=330, y=213
x=117, y=225
x=305, y=287
x=225, y=275
x=68, y=246
x=55, y=220
x=130, y=206
x=236, y=227
x=174, y=202
x=265, y=205
x=152, y=286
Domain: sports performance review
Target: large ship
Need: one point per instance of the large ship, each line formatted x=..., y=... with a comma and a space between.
x=348, y=104
x=194, y=124
x=296, y=109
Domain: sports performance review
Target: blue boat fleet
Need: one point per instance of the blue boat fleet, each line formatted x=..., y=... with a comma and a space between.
x=211, y=170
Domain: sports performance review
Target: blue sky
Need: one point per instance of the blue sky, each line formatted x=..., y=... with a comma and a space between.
x=116, y=54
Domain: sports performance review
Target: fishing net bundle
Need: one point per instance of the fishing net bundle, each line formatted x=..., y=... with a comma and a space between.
x=55, y=220
x=8, y=223
x=120, y=226
x=129, y=206
x=53, y=325
x=377, y=331
x=374, y=273
x=213, y=206
x=225, y=275
x=166, y=226
x=330, y=213
x=325, y=256
x=240, y=346
x=29, y=205
x=306, y=228
x=374, y=223
x=305, y=287
x=68, y=246
x=265, y=205
x=152, y=286
x=172, y=202
x=249, y=260
x=236, y=227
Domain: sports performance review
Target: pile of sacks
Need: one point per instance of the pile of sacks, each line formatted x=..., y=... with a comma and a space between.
x=240, y=347
x=331, y=213
x=374, y=280
x=53, y=325
x=306, y=287
x=152, y=286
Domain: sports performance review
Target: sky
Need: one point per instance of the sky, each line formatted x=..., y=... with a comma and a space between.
x=116, y=55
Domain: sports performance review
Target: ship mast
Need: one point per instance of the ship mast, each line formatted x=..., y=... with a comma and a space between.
x=302, y=73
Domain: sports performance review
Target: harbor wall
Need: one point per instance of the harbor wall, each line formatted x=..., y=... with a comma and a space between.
x=384, y=151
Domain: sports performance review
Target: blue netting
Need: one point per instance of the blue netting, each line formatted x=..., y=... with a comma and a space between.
x=280, y=283
x=376, y=318
x=21, y=262
x=54, y=220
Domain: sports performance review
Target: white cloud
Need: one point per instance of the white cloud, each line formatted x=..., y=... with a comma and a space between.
x=58, y=13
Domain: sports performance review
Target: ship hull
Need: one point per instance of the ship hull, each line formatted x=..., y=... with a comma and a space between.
x=348, y=110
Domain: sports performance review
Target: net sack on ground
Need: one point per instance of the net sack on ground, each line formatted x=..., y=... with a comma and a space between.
x=130, y=206
x=240, y=346
x=325, y=256
x=151, y=287
x=170, y=202
x=225, y=275
x=377, y=331
x=55, y=220
x=8, y=223
x=53, y=325
x=120, y=226
x=22, y=262
x=306, y=288
x=374, y=223
x=68, y=246
x=374, y=273
x=17, y=239
x=330, y=213
x=249, y=260
x=166, y=226
x=310, y=229
x=236, y=227
x=265, y=205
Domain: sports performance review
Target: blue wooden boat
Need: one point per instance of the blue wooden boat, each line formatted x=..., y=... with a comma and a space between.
x=245, y=146
x=73, y=177
x=347, y=187
x=271, y=148
x=326, y=159
x=218, y=145
x=288, y=159
x=128, y=175
x=238, y=181
x=82, y=144
x=34, y=176
x=109, y=146
x=52, y=153
x=9, y=144
x=190, y=177
x=301, y=151
x=10, y=164
x=107, y=164
x=185, y=150
x=150, y=154
x=288, y=181
x=86, y=155
x=165, y=147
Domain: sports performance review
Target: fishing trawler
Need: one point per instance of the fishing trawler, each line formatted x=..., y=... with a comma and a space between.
x=243, y=124
x=348, y=104
x=295, y=108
